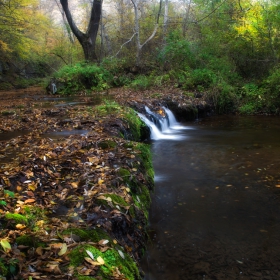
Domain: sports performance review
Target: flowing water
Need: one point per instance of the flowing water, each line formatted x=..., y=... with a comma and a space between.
x=215, y=212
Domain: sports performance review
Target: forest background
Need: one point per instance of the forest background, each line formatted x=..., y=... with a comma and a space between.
x=226, y=50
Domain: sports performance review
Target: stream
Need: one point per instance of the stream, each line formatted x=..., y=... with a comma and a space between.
x=215, y=211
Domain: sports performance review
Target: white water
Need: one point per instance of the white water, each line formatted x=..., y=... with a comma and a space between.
x=172, y=120
x=156, y=134
x=168, y=125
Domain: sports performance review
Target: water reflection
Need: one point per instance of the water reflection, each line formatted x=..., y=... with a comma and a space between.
x=216, y=214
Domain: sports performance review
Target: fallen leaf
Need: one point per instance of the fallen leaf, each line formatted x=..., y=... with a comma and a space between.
x=39, y=251
x=5, y=245
x=89, y=260
x=30, y=200
x=74, y=185
x=121, y=254
x=20, y=226
x=103, y=242
x=100, y=260
x=90, y=254
x=63, y=249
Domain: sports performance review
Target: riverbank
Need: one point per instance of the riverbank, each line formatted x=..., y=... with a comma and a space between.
x=76, y=182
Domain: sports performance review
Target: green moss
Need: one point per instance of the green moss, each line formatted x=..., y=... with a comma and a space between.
x=7, y=113
x=132, y=212
x=117, y=199
x=78, y=254
x=93, y=235
x=146, y=161
x=110, y=107
x=28, y=240
x=126, y=266
x=145, y=196
x=34, y=214
x=129, y=145
x=17, y=218
x=135, y=124
x=83, y=277
x=112, y=259
x=143, y=201
x=107, y=144
x=128, y=179
x=124, y=173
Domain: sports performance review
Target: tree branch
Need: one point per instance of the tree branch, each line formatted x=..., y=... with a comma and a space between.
x=80, y=35
x=125, y=44
x=212, y=12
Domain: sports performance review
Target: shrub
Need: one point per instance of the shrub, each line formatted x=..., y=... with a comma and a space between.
x=141, y=83
x=200, y=78
x=177, y=53
x=251, y=99
x=83, y=76
x=272, y=83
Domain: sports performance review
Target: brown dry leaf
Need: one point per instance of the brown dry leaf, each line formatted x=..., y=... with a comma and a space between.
x=57, y=245
x=74, y=185
x=117, y=273
x=100, y=182
x=30, y=193
x=93, y=159
x=30, y=200
x=103, y=242
x=104, y=249
x=39, y=251
x=92, y=262
x=84, y=270
x=20, y=226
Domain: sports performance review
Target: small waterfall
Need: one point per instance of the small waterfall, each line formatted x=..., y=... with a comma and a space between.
x=156, y=134
x=172, y=120
x=162, y=127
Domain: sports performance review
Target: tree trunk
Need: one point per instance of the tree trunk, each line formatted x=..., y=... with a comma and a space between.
x=88, y=39
x=165, y=19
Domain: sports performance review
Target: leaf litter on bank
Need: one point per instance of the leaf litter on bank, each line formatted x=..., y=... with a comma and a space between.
x=64, y=179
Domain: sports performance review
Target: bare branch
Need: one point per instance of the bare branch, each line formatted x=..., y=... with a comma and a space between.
x=125, y=44
x=151, y=37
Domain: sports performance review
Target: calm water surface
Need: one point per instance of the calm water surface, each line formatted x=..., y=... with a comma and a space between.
x=216, y=207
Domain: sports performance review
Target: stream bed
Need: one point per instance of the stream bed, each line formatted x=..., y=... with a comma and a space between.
x=215, y=211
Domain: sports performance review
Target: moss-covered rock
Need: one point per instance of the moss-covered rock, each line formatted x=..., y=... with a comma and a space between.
x=115, y=261
x=29, y=240
x=16, y=218
x=107, y=144
x=93, y=235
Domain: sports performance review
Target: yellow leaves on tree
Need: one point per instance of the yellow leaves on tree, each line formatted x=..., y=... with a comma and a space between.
x=21, y=26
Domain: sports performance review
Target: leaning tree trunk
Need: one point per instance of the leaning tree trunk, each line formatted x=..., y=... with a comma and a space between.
x=88, y=39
